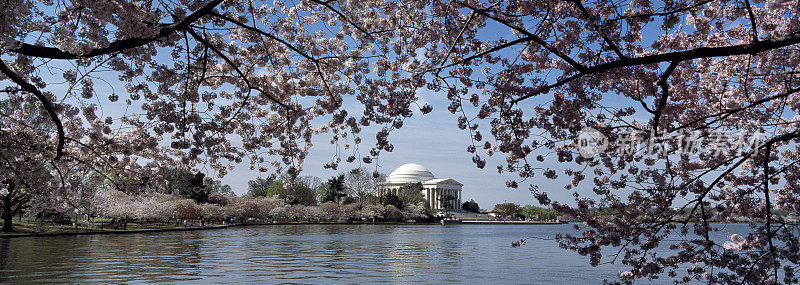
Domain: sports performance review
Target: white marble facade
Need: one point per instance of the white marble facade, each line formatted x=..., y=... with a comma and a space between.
x=432, y=188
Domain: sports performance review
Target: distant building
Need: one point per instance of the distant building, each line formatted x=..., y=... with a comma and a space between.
x=432, y=188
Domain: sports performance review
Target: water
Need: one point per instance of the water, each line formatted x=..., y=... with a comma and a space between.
x=356, y=254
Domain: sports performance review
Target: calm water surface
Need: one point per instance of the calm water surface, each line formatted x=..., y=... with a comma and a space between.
x=358, y=254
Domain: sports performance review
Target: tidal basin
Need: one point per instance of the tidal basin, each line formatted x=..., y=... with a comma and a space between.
x=307, y=254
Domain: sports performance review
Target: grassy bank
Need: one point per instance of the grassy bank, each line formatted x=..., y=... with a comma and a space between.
x=27, y=227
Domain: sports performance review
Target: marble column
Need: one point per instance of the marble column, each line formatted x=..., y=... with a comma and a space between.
x=438, y=203
x=459, y=199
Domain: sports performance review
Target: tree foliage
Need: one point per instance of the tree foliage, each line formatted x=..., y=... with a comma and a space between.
x=335, y=190
x=508, y=209
x=393, y=200
x=447, y=201
x=197, y=189
x=293, y=193
x=540, y=213
x=471, y=206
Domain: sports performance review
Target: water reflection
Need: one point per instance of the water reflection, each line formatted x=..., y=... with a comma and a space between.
x=302, y=254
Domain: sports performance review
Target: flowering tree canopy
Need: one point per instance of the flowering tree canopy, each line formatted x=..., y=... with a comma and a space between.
x=221, y=82
x=694, y=105
x=213, y=82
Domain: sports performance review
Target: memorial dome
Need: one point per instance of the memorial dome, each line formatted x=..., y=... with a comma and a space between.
x=410, y=173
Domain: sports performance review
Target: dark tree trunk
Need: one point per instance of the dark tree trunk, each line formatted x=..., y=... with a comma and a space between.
x=7, y=218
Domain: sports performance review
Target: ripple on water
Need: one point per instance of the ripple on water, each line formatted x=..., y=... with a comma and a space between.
x=303, y=254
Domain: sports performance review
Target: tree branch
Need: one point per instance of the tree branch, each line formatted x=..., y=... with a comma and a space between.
x=752, y=20
x=703, y=52
x=481, y=54
x=664, y=94
x=588, y=17
x=727, y=113
x=238, y=71
x=119, y=45
x=348, y=20
x=456, y=41
x=46, y=103
x=259, y=31
x=528, y=35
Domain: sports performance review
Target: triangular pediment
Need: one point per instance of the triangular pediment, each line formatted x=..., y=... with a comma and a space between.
x=443, y=181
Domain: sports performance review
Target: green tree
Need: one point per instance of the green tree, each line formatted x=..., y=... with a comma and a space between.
x=508, y=209
x=394, y=200
x=471, y=206
x=447, y=202
x=264, y=188
x=532, y=211
x=175, y=179
x=300, y=193
x=411, y=194
x=197, y=190
x=335, y=189
x=224, y=189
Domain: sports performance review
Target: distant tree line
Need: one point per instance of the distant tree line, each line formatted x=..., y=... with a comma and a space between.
x=515, y=211
x=173, y=194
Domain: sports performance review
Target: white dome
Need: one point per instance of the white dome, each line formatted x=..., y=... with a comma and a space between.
x=409, y=173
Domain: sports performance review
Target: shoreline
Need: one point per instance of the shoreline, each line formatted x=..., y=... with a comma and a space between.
x=512, y=223
x=214, y=227
x=193, y=228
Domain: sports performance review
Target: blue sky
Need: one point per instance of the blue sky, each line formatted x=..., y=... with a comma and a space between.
x=434, y=141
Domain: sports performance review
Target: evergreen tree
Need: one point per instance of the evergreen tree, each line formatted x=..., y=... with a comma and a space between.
x=335, y=190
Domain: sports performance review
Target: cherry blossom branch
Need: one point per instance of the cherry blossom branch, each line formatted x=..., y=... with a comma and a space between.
x=290, y=46
x=588, y=17
x=259, y=31
x=529, y=35
x=347, y=19
x=455, y=42
x=480, y=54
x=752, y=21
x=236, y=68
x=662, y=82
x=14, y=170
x=101, y=157
x=724, y=114
x=767, y=152
x=118, y=45
x=666, y=13
x=46, y=103
x=702, y=52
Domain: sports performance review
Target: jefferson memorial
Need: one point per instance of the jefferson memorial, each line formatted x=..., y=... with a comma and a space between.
x=432, y=188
